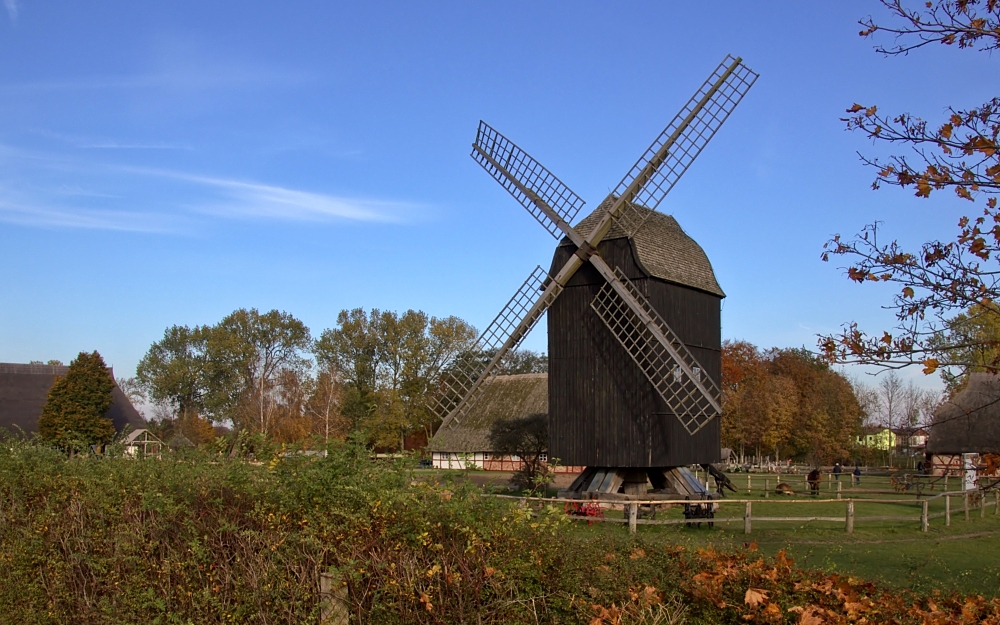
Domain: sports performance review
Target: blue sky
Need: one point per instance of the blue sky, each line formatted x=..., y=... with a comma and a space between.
x=167, y=163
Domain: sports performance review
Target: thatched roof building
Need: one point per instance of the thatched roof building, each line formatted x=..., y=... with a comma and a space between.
x=506, y=397
x=970, y=422
x=24, y=389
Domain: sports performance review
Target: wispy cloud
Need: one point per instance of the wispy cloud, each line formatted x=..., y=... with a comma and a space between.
x=78, y=194
x=12, y=9
x=241, y=199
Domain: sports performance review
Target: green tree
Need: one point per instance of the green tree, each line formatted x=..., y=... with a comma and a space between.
x=178, y=371
x=971, y=338
x=389, y=363
x=261, y=355
x=352, y=348
x=73, y=415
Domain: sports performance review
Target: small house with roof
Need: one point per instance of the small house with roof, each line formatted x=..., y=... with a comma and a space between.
x=466, y=444
x=966, y=428
x=24, y=389
x=142, y=443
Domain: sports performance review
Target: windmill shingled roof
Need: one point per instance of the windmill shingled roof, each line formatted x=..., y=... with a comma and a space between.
x=970, y=421
x=506, y=397
x=663, y=248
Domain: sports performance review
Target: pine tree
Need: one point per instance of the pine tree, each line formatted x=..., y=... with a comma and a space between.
x=73, y=416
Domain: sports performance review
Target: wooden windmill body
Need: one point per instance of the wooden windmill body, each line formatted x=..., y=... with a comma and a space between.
x=603, y=411
x=634, y=329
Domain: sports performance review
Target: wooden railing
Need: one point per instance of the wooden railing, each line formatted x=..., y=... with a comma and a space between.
x=631, y=510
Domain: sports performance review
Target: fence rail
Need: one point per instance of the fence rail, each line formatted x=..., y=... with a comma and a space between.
x=631, y=509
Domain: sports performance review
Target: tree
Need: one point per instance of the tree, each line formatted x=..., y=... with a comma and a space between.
x=972, y=338
x=526, y=361
x=353, y=349
x=185, y=382
x=389, y=363
x=73, y=415
x=942, y=280
x=179, y=371
x=324, y=405
x=526, y=438
x=788, y=402
x=758, y=408
x=259, y=352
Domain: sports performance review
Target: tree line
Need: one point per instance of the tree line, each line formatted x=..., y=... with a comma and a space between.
x=266, y=373
x=786, y=403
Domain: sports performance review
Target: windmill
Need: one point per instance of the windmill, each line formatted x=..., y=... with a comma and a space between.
x=628, y=398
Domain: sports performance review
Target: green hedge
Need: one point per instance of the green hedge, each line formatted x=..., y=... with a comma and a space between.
x=201, y=539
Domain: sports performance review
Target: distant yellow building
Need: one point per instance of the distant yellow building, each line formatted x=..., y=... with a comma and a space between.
x=882, y=439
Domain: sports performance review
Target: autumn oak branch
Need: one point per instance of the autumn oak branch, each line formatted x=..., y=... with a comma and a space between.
x=945, y=285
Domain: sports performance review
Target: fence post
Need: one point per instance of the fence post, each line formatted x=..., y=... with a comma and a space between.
x=924, y=520
x=746, y=519
x=996, y=509
x=946, y=480
x=850, y=516
x=749, y=489
x=633, y=512
x=982, y=505
x=767, y=487
x=333, y=600
x=838, y=489
x=965, y=505
x=947, y=510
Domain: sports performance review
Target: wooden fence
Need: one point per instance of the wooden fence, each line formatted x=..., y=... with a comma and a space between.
x=631, y=510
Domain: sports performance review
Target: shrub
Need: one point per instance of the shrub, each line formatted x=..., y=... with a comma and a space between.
x=204, y=539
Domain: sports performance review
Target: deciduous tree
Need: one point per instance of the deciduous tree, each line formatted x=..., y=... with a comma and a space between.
x=389, y=363
x=526, y=438
x=786, y=402
x=943, y=279
x=261, y=353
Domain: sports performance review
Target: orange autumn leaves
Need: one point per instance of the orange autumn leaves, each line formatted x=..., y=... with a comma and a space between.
x=785, y=400
x=772, y=591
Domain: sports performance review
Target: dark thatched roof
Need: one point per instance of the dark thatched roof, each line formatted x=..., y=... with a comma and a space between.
x=25, y=388
x=970, y=422
x=506, y=397
x=662, y=248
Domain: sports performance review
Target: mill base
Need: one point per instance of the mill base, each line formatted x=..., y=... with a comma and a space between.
x=625, y=483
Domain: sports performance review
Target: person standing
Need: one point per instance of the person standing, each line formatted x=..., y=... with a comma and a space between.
x=837, y=470
x=857, y=475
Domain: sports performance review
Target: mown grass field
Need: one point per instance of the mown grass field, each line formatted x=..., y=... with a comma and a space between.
x=962, y=557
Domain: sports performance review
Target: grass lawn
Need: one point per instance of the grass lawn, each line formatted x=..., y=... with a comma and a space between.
x=963, y=557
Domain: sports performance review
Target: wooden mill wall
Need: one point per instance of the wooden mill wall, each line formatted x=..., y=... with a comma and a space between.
x=602, y=409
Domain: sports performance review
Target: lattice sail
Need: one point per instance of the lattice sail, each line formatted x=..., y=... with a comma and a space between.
x=463, y=381
x=689, y=393
x=669, y=156
x=525, y=178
